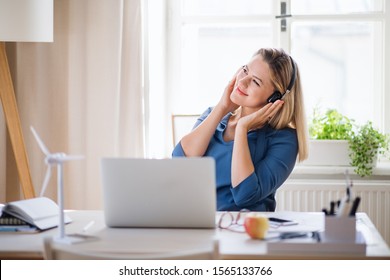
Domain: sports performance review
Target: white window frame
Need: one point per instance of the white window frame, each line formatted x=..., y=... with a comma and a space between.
x=382, y=85
x=171, y=48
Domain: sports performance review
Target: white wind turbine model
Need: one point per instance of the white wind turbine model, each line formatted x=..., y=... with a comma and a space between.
x=56, y=159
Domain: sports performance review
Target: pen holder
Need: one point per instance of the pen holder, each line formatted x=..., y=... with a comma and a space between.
x=340, y=229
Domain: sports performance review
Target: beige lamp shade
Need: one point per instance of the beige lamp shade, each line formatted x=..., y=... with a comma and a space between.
x=26, y=20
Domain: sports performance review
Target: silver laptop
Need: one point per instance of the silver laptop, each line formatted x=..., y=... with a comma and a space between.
x=168, y=193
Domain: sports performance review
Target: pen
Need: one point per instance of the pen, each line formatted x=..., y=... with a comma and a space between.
x=355, y=206
x=288, y=235
x=344, y=209
x=332, y=207
x=89, y=225
x=316, y=235
x=349, y=185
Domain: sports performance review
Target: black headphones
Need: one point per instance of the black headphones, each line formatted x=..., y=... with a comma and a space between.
x=277, y=95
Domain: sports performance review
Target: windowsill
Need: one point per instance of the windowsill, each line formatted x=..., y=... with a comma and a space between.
x=380, y=172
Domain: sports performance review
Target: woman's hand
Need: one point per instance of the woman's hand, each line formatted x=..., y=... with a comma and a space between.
x=242, y=165
x=259, y=118
x=225, y=102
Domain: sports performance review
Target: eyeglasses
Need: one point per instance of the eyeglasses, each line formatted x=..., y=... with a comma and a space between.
x=233, y=221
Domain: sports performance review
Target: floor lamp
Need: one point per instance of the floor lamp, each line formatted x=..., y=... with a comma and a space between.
x=21, y=21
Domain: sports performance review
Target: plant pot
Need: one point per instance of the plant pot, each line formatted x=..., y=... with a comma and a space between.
x=328, y=153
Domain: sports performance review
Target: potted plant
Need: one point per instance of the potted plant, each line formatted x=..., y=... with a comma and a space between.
x=363, y=142
x=331, y=126
x=329, y=133
x=364, y=146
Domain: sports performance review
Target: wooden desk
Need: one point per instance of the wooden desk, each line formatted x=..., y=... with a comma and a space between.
x=232, y=245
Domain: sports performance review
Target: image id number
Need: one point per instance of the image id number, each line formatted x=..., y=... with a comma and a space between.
x=233, y=270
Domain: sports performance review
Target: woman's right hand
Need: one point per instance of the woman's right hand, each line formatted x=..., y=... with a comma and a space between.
x=225, y=102
x=197, y=141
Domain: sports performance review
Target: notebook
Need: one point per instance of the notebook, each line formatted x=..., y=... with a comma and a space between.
x=164, y=193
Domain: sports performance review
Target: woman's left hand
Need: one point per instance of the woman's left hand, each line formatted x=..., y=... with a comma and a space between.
x=259, y=118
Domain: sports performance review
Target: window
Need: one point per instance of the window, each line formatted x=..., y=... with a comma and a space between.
x=339, y=46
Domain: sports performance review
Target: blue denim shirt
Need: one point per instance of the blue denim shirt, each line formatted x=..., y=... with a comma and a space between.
x=274, y=153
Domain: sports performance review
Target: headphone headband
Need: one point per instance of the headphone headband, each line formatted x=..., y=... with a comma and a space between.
x=293, y=77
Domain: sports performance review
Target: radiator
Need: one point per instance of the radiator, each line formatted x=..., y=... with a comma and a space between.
x=309, y=196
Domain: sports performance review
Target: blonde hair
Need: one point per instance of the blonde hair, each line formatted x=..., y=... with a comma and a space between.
x=293, y=112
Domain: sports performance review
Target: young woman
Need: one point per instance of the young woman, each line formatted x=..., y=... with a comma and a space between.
x=254, y=133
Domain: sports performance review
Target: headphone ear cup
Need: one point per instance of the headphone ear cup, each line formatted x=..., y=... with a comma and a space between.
x=275, y=96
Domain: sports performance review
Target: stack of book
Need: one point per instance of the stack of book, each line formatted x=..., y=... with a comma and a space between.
x=10, y=223
x=30, y=215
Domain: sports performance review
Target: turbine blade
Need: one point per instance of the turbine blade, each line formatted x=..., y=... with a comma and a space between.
x=46, y=180
x=72, y=157
x=40, y=142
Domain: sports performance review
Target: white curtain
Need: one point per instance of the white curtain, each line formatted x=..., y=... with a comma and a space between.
x=83, y=94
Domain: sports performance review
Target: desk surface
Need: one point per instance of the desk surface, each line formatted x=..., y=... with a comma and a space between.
x=233, y=245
